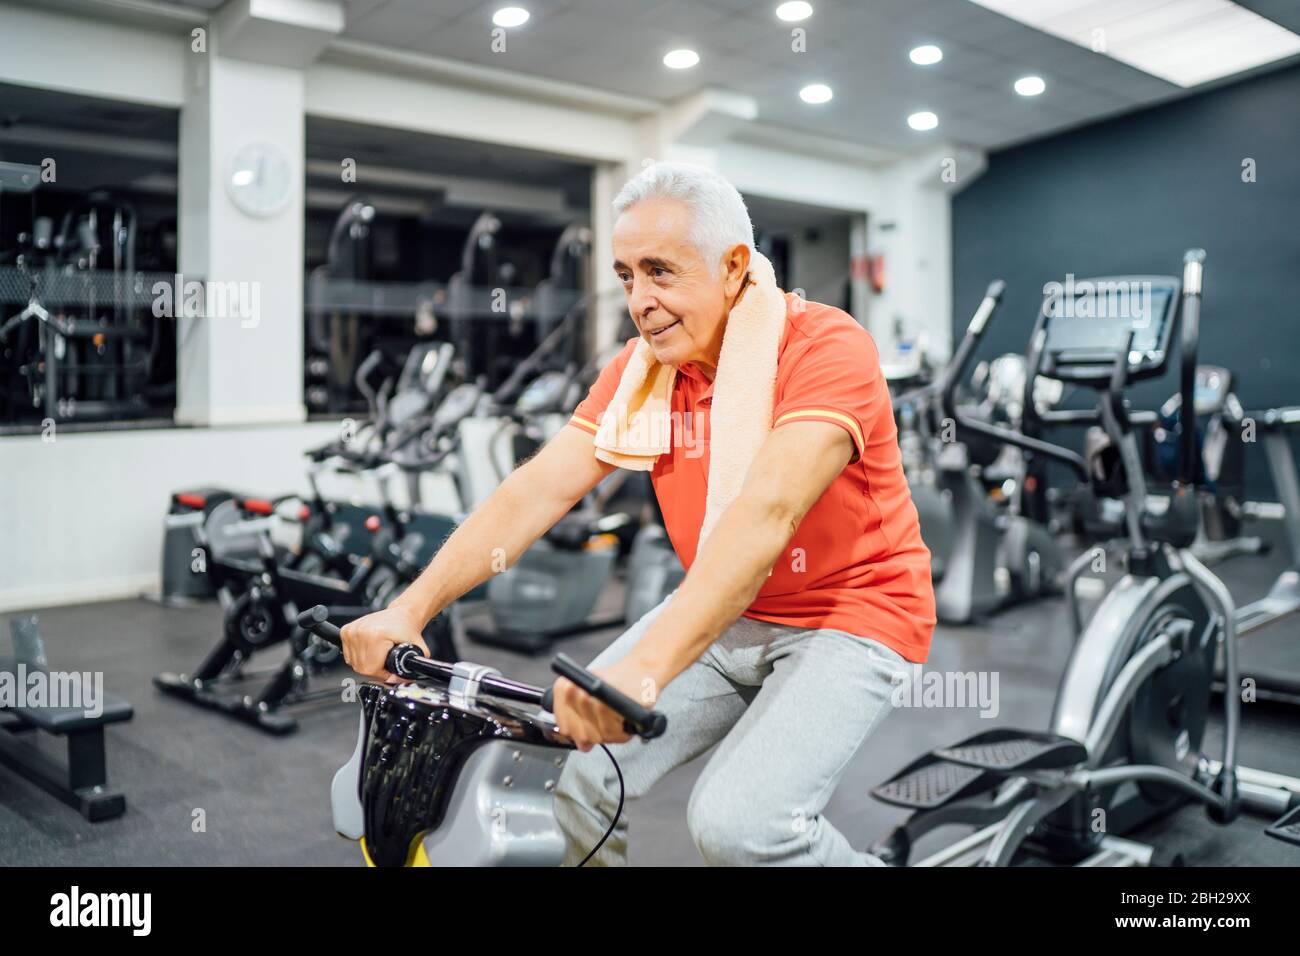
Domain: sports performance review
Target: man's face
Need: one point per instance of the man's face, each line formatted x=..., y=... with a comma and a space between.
x=678, y=305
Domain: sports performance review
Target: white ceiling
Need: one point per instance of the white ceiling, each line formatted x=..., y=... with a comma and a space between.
x=858, y=47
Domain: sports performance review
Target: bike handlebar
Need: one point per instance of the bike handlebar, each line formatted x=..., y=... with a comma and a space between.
x=406, y=661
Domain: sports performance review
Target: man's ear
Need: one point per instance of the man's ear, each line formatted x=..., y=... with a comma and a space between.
x=736, y=263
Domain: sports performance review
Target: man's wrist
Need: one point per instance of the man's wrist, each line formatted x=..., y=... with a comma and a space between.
x=412, y=611
x=657, y=669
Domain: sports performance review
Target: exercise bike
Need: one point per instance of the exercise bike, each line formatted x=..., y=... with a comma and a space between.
x=1126, y=732
x=450, y=771
x=261, y=598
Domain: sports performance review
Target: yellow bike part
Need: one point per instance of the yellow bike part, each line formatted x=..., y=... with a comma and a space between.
x=420, y=859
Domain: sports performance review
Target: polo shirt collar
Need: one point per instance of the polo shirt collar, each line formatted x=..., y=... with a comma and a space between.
x=692, y=372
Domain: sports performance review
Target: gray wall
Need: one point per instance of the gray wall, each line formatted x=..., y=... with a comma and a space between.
x=820, y=265
x=1129, y=196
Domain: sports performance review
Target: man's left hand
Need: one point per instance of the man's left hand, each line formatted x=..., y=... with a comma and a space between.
x=588, y=722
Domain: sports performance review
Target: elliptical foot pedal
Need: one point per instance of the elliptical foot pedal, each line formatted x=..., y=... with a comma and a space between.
x=929, y=782
x=1287, y=828
x=1010, y=751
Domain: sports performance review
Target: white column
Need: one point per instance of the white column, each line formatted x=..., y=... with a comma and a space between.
x=241, y=365
x=241, y=362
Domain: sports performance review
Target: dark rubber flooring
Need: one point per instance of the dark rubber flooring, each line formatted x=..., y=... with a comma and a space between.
x=265, y=800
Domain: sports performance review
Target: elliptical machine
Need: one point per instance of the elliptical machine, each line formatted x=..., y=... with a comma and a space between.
x=335, y=339
x=993, y=557
x=1222, y=499
x=401, y=413
x=916, y=414
x=1125, y=740
x=1283, y=598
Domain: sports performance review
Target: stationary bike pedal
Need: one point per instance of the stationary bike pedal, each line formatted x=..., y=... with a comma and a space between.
x=1010, y=751
x=929, y=782
x=1287, y=827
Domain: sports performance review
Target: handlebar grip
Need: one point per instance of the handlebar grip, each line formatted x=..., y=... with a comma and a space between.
x=647, y=724
x=975, y=331
x=321, y=452
x=1193, y=266
x=316, y=621
x=548, y=705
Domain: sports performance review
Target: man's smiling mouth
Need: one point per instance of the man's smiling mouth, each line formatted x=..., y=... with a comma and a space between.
x=655, y=333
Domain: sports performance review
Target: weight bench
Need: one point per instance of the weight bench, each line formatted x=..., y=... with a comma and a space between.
x=82, y=781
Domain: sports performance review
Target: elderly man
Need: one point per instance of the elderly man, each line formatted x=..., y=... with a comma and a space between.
x=767, y=429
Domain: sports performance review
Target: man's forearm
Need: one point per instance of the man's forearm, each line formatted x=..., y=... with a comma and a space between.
x=724, y=580
x=492, y=538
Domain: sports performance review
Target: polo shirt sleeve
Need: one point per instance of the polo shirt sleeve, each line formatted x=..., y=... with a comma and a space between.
x=587, y=415
x=836, y=379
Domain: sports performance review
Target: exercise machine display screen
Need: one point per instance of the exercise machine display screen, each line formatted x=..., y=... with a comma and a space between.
x=1088, y=323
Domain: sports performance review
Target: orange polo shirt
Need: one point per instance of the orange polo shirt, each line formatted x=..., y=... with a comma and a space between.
x=857, y=562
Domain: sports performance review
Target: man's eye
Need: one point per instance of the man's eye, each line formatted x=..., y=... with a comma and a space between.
x=625, y=277
x=658, y=272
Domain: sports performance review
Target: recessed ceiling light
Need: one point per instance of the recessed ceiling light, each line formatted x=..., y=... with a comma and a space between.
x=1030, y=85
x=1215, y=38
x=794, y=11
x=927, y=55
x=510, y=17
x=816, y=93
x=923, y=120
x=681, y=59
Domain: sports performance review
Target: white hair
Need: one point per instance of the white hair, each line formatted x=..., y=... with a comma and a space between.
x=720, y=219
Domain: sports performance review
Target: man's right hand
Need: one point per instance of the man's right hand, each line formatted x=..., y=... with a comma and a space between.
x=367, y=640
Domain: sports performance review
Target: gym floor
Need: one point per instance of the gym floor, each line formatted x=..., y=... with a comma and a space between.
x=265, y=800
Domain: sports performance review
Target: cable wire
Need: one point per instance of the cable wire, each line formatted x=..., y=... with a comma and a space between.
x=618, y=813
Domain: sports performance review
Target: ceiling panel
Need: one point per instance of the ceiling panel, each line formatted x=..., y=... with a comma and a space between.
x=859, y=47
x=397, y=23
x=354, y=10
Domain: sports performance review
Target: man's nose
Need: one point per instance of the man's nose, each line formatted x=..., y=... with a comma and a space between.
x=641, y=300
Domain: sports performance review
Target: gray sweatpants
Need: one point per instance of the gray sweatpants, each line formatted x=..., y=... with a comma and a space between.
x=790, y=706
